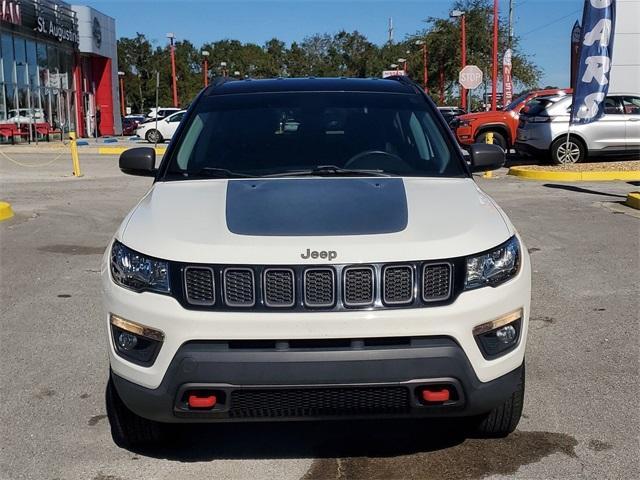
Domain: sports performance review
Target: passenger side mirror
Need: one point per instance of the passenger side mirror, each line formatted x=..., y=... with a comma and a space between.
x=486, y=156
x=139, y=161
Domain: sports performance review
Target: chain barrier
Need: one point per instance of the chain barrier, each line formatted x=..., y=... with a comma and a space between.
x=73, y=149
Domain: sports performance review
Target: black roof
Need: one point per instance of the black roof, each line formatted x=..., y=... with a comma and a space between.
x=312, y=84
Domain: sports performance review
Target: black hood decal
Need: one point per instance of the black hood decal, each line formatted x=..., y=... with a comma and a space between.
x=316, y=207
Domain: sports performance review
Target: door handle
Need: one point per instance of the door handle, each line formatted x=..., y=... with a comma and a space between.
x=634, y=119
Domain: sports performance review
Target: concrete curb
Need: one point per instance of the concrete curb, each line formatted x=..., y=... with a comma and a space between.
x=119, y=150
x=633, y=200
x=6, y=212
x=564, y=176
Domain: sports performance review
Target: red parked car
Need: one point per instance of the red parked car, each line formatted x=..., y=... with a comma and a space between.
x=473, y=127
x=130, y=124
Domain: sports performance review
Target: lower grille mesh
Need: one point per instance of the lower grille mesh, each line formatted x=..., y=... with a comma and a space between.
x=319, y=402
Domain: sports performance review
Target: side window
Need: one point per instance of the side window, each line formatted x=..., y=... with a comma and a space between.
x=418, y=136
x=631, y=105
x=177, y=117
x=611, y=106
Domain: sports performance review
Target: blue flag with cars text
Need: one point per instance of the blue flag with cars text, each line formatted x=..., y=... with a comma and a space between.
x=594, y=67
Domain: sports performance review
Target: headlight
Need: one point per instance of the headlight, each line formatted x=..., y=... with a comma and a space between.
x=133, y=270
x=495, y=267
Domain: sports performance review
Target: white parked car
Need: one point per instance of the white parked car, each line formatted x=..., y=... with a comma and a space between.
x=544, y=124
x=314, y=249
x=158, y=131
x=25, y=116
x=162, y=112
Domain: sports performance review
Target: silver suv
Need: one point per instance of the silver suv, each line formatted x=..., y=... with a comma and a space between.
x=543, y=129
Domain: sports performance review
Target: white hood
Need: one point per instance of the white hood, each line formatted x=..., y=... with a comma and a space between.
x=187, y=221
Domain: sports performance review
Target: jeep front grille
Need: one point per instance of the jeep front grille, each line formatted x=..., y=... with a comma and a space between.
x=279, y=287
x=199, y=285
x=398, y=285
x=239, y=288
x=319, y=287
x=359, y=287
x=325, y=287
x=436, y=282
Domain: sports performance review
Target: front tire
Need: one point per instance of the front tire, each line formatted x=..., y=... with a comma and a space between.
x=154, y=136
x=561, y=155
x=502, y=420
x=128, y=429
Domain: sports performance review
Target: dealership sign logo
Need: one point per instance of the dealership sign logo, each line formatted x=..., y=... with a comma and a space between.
x=49, y=27
x=507, y=82
x=11, y=12
x=596, y=50
x=96, y=31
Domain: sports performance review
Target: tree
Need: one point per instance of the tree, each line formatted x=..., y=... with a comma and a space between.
x=443, y=37
x=344, y=53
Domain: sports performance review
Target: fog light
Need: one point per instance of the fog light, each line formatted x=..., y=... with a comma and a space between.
x=135, y=342
x=506, y=334
x=127, y=341
x=499, y=336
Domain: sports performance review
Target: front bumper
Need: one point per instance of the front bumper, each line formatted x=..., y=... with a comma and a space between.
x=254, y=384
x=465, y=134
x=182, y=327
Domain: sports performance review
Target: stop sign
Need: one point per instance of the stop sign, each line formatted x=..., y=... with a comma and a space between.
x=470, y=77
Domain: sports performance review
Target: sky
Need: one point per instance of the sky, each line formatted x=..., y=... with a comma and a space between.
x=544, y=25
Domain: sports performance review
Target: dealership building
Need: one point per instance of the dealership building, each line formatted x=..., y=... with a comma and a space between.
x=58, y=71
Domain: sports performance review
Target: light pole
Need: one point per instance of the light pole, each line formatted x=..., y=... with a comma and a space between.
x=394, y=66
x=460, y=14
x=205, y=56
x=403, y=61
x=223, y=67
x=122, y=109
x=494, y=54
x=171, y=38
x=425, y=72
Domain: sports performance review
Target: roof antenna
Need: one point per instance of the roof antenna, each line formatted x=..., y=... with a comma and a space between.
x=390, y=29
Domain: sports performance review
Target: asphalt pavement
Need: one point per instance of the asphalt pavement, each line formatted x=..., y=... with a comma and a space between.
x=581, y=415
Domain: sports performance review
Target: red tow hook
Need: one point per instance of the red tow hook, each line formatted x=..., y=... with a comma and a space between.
x=435, y=395
x=200, y=401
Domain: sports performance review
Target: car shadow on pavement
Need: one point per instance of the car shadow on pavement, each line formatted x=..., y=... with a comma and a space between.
x=514, y=160
x=321, y=439
x=573, y=188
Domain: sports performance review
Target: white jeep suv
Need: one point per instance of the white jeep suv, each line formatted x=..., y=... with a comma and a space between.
x=314, y=249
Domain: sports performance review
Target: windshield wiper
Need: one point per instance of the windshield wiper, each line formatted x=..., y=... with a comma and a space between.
x=330, y=170
x=215, y=172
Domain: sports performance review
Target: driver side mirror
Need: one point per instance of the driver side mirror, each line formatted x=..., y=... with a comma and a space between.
x=139, y=161
x=485, y=157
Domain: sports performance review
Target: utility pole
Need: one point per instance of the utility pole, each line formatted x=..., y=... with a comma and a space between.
x=390, y=30
x=510, y=23
x=494, y=55
x=463, y=34
x=171, y=38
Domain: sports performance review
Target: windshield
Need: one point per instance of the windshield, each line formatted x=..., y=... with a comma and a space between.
x=319, y=133
x=514, y=103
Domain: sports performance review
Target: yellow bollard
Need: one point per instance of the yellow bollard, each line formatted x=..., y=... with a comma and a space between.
x=488, y=139
x=75, y=159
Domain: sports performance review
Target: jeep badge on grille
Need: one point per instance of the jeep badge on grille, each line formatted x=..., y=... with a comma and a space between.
x=328, y=254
